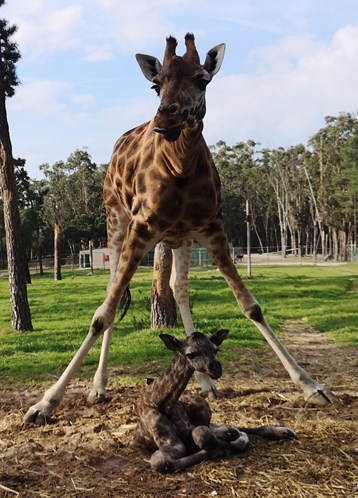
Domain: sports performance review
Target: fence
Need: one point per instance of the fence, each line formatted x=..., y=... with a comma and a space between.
x=201, y=257
x=352, y=254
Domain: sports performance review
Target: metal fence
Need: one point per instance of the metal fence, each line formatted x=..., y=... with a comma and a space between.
x=199, y=256
x=352, y=254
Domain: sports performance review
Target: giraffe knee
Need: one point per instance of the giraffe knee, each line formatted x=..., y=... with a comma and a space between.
x=102, y=320
x=99, y=324
x=203, y=438
x=163, y=462
x=255, y=313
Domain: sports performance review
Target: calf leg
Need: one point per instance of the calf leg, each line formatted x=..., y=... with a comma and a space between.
x=214, y=442
x=157, y=430
x=197, y=409
x=270, y=432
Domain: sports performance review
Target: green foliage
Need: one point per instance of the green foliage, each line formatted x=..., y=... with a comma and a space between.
x=74, y=198
x=9, y=56
x=300, y=198
x=62, y=311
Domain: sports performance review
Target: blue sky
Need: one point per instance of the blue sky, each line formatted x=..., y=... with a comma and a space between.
x=288, y=64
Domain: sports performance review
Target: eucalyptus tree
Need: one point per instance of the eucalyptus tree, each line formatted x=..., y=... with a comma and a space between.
x=17, y=266
x=56, y=208
x=73, y=205
x=88, y=221
x=237, y=169
x=31, y=200
x=333, y=180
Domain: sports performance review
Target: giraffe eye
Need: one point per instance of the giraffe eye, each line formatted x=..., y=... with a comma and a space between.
x=192, y=355
x=156, y=88
x=201, y=83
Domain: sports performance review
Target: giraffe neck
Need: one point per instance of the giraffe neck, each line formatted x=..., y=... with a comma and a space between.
x=165, y=390
x=180, y=157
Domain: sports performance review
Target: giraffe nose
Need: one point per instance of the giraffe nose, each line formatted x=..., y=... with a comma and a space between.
x=170, y=109
x=215, y=369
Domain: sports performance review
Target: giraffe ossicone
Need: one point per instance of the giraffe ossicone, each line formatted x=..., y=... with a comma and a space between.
x=162, y=186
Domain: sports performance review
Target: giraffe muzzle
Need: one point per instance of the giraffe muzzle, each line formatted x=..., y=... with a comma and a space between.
x=171, y=133
x=215, y=370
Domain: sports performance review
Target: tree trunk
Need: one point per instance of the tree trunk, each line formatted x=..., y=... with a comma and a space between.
x=39, y=251
x=39, y=257
x=342, y=237
x=20, y=310
x=57, y=257
x=163, y=309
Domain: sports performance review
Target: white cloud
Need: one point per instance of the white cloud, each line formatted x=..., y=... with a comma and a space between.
x=98, y=53
x=84, y=100
x=41, y=98
x=47, y=30
x=286, y=102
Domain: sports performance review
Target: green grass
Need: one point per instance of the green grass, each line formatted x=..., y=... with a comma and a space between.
x=62, y=311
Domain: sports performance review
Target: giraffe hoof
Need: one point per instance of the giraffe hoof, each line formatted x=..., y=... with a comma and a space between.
x=211, y=394
x=95, y=397
x=35, y=416
x=277, y=433
x=322, y=396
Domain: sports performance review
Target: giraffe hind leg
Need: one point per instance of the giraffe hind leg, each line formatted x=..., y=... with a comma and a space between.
x=180, y=287
x=218, y=247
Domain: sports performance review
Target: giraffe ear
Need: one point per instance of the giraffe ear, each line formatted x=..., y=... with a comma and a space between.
x=171, y=342
x=149, y=65
x=219, y=336
x=214, y=59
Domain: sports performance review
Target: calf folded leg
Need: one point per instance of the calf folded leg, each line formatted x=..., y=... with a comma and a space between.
x=271, y=432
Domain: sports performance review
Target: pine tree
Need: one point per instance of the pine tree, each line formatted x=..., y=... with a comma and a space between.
x=17, y=268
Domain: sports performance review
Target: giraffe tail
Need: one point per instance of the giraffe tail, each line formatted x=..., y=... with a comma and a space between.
x=124, y=304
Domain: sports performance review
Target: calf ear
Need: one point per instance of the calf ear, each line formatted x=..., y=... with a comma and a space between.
x=214, y=59
x=171, y=342
x=219, y=336
x=149, y=65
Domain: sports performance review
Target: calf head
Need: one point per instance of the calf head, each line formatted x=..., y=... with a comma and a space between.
x=199, y=351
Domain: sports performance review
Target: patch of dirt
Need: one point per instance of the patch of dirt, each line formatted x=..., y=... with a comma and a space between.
x=89, y=452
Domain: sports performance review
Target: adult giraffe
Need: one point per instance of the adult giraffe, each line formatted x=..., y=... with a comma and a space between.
x=162, y=185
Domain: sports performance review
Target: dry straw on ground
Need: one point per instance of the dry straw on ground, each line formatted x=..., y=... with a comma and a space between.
x=89, y=451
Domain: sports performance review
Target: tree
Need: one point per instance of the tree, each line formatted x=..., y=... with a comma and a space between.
x=56, y=208
x=73, y=205
x=17, y=267
x=333, y=169
x=87, y=221
x=163, y=308
x=31, y=201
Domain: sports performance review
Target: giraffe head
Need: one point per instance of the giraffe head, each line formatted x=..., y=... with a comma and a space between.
x=180, y=82
x=199, y=351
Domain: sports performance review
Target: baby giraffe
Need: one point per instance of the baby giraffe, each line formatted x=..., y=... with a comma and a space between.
x=177, y=426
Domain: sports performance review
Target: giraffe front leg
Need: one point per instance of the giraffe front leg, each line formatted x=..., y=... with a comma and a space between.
x=180, y=287
x=41, y=412
x=219, y=441
x=156, y=430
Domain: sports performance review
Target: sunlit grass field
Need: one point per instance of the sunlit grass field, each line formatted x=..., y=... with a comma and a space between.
x=61, y=313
